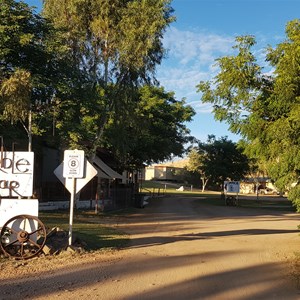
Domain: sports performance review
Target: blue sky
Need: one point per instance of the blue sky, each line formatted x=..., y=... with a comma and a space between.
x=204, y=31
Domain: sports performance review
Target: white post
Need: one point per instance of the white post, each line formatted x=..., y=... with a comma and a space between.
x=72, y=200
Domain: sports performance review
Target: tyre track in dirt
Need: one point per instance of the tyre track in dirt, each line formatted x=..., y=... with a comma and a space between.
x=180, y=249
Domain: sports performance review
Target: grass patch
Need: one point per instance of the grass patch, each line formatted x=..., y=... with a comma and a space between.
x=267, y=204
x=214, y=198
x=88, y=227
x=170, y=188
x=261, y=203
x=150, y=186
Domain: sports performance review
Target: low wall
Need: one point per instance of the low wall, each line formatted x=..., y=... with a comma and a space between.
x=85, y=204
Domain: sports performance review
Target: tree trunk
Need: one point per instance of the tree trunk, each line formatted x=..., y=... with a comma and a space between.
x=204, y=183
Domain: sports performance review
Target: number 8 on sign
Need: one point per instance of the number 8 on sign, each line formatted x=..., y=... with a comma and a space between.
x=73, y=163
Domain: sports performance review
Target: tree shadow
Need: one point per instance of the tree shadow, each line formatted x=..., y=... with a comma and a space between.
x=216, y=283
x=97, y=277
x=163, y=240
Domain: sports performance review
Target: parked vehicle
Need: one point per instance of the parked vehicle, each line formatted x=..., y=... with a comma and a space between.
x=268, y=191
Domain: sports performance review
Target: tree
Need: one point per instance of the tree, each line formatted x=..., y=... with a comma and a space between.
x=21, y=38
x=117, y=45
x=153, y=130
x=264, y=109
x=15, y=92
x=196, y=165
x=218, y=160
x=28, y=68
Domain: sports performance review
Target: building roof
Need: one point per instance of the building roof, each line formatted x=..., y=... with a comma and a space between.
x=105, y=170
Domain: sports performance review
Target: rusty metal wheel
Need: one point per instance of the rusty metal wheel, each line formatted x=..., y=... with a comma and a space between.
x=23, y=237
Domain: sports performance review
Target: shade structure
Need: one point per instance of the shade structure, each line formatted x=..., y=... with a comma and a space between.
x=104, y=171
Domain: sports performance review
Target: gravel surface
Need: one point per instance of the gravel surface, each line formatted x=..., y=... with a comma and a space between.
x=180, y=249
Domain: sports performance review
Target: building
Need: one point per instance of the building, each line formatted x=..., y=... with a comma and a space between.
x=167, y=172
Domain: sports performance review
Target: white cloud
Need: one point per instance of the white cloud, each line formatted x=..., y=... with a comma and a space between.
x=201, y=108
x=200, y=47
x=191, y=58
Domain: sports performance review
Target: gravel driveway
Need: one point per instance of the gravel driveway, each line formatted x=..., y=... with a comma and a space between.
x=180, y=249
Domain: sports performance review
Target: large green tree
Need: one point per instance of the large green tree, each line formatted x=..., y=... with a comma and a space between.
x=89, y=78
x=30, y=70
x=264, y=109
x=153, y=130
x=118, y=45
x=196, y=165
x=218, y=160
x=19, y=31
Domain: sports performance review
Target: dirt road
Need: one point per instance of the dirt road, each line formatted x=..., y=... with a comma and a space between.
x=180, y=249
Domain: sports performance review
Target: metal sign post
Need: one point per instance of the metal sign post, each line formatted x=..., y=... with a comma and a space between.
x=73, y=167
x=74, y=173
x=72, y=200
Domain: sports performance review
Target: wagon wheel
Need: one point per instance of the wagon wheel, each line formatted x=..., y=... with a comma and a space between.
x=23, y=237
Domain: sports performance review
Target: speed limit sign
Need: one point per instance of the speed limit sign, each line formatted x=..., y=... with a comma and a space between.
x=73, y=163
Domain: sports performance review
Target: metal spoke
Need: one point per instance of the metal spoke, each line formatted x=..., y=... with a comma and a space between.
x=11, y=243
x=37, y=230
x=22, y=250
x=25, y=244
x=34, y=243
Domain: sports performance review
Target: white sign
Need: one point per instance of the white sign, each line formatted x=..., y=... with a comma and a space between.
x=16, y=174
x=232, y=186
x=90, y=172
x=10, y=208
x=73, y=165
x=74, y=185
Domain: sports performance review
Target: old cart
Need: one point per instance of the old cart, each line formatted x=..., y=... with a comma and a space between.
x=22, y=237
x=22, y=234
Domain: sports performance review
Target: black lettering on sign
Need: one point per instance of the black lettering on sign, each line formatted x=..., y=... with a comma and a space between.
x=6, y=164
x=15, y=167
x=21, y=165
x=11, y=186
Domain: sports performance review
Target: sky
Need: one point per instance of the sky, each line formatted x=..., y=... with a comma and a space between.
x=206, y=30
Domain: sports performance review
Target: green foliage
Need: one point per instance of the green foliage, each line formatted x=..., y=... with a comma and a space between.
x=116, y=47
x=21, y=33
x=15, y=92
x=28, y=69
x=153, y=130
x=112, y=40
x=264, y=109
x=89, y=77
x=235, y=86
x=218, y=160
x=196, y=165
x=294, y=195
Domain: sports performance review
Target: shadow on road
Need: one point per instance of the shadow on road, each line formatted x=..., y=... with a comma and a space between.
x=96, y=276
x=163, y=240
x=156, y=273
